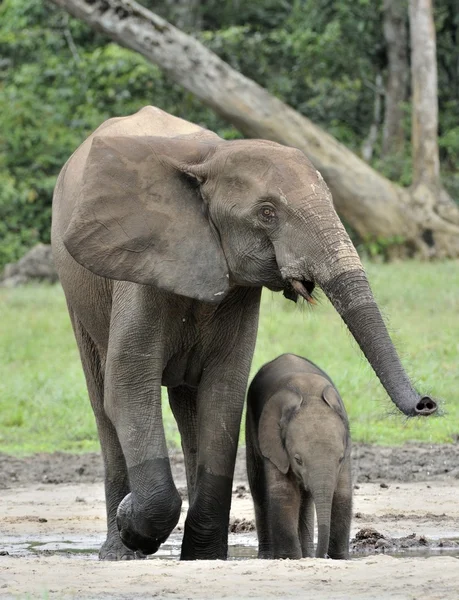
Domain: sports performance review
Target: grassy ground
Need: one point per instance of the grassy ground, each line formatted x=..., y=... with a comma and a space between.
x=43, y=401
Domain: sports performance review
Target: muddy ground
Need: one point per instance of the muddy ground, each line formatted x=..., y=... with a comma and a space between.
x=405, y=535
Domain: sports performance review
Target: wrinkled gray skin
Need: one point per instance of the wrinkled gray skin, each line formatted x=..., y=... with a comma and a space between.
x=163, y=235
x=298, y=456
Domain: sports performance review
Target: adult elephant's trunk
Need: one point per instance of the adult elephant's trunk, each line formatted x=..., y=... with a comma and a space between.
x=350, y=294
x=317, y=248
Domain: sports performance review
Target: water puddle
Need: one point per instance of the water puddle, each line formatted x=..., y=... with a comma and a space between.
x=241, y=546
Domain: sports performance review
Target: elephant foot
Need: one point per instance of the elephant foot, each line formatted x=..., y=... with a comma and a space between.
x=114, y=549
x=206, y=526
x=287, y=554
x=344, y=555
x=143, y=531
x=208, y=544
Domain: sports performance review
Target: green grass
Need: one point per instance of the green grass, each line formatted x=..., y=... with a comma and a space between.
x=43, y=400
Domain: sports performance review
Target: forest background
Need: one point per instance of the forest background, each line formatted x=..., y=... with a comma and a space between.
x=329, y=60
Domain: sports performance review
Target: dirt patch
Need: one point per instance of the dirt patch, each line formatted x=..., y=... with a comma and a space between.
x=411, y=462
x=241, y=525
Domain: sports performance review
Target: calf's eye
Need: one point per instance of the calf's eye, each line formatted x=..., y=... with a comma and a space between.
x=298, y=459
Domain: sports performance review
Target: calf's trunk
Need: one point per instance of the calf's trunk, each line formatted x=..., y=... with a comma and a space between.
x=323, y=502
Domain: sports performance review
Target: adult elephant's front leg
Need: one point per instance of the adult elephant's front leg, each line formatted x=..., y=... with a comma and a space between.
x=148, y=514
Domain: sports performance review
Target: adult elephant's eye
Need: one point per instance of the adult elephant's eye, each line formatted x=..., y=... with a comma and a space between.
x=267, y=214
x=298, y=459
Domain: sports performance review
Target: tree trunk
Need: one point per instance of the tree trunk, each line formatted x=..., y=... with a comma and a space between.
x=428, y=194
x=372, y=205
x=396, y=35
x=424, y=133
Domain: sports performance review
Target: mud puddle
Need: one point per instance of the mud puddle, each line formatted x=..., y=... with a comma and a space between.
x=241, y=546
x=368, y=541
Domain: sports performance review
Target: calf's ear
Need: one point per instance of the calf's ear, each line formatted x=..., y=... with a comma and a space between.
x=331, y=397
x=271, y=429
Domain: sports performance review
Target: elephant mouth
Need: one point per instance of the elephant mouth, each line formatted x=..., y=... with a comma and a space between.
x=303, y=288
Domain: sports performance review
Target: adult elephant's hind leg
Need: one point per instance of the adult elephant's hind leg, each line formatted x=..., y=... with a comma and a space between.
x=220, y=401
x=116, y=478
x=183, y=402
x=219, y=417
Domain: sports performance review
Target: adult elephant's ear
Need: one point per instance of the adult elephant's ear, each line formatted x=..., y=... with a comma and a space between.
x=140, y=216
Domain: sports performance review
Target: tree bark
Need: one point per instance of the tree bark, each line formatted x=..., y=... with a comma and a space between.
x=369, y=142
x=428, y=194
x=424, y=133
x=395, y=30
x=372, y=205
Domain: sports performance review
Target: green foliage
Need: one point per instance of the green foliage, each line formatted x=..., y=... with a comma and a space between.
x=449, y=147
x=43, y=399
x=301, y=60
x=379, y=248
x=59, y=80
x=261, y=14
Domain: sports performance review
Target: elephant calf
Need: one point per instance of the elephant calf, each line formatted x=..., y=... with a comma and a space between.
x=298, y=456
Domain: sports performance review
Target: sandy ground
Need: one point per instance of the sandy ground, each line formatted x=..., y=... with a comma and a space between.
x=52, y=531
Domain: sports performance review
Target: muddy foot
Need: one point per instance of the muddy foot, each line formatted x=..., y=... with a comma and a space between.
x=114, y=549
x=145, y=531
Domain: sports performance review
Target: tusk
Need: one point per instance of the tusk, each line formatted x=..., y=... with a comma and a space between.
x=302, y=291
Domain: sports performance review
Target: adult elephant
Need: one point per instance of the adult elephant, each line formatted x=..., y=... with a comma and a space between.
x=163, y=236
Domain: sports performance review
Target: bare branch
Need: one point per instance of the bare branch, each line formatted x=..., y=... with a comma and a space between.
x=70, y=42
x=370, y=141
